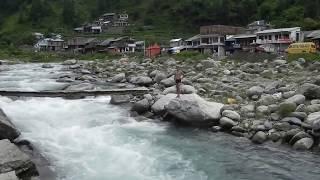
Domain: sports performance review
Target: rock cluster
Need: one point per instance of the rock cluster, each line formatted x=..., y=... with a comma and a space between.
x=275, y=100
x=14, y=163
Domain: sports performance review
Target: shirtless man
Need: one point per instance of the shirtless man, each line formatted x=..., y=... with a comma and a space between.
x=178, y=78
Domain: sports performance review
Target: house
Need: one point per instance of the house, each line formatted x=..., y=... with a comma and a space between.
x=279, y=39
x=81, y=44
x=49, y=44
x=176, y=42
x=122, y=21
x=257, y=26
x=153, y=51
x=193, y=41
x=119, y=45
x=111, y=17
x=56, y=45
x=314, y=36
x=245, y=42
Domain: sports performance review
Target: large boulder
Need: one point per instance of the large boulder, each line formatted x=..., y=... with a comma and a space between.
x=227, y=123
x=185, y=89
x=9, y=176
x=310, y=91
x=12, y=159
x=313, y=118
x=159, y=77
x=303, y=144
x=159, y=106
x=119, y=99
x=141, y=106
x=194, y=110
x=298, y=99
x=141, y=80
x=70, y=62
x=118, y=78
x=168, y=82
x=7, y=129
x=259, y=138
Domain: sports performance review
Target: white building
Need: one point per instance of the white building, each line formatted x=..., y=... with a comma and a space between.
x=279, y=39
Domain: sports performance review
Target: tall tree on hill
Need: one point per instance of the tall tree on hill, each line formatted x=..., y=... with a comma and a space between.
x=69, y=13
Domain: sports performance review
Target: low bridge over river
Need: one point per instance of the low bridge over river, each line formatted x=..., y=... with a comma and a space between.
x=75, y=94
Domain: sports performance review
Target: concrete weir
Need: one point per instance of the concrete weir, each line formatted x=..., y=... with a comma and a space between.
x=75, y=94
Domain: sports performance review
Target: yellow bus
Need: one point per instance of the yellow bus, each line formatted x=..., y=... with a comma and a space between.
x=298, y=48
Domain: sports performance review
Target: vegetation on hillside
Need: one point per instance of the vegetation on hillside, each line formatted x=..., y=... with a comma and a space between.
x=17, y=17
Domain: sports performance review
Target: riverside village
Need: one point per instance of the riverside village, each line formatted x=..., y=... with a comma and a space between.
x=106, y=99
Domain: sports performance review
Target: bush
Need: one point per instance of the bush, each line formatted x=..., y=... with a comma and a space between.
x=191, y=56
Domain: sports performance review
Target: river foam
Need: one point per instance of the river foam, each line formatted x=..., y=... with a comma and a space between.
x=90, y=139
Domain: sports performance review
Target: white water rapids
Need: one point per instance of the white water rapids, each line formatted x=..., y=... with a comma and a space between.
x=89, y=139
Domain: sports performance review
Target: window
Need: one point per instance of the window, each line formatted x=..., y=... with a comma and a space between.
x=276, y=37
x=270, y=37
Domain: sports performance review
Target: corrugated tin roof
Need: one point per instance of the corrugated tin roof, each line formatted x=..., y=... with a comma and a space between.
x=314, y=34
x=175, y=40
x=242, y=36
x=278, y=30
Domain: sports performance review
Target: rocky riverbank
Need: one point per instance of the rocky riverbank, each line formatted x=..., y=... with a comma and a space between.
x=14, y=163
x=273, y=100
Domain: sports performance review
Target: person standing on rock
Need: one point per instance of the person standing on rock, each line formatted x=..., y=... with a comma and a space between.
x=178, y=78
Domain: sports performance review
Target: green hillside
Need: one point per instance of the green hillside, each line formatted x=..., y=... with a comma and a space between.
x=17, y=17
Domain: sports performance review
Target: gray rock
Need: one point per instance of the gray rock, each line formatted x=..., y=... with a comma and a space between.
x=159, y=77
x=298, y=99
x=284, y=126
x=87, y=78
x=239, y=129
x=194, y=110
x=185, y=89
x=70, y=62
x=141, y=80
x=141, y=106
x=9, y=176
x=168, y=82
x=255, y=91
x=248, y=108
x=232, y=115
x=273, y=108
x=288, y=94
x=275, y=117
x=80, y=87
x=300, y=115
x=263, y=110
x=210, y=63
x=292, y=120
x=119, y=78
x=299, y=136
x=313, y=108
x=7, y=129
x=216, y=129
x=275, y=136
x=227, y=123
x=159, y=106
x=315, y=101
x=301, y=108
x=303, y=144
x=12, y=159
x=286, y=108
x=267, y=100
x=47, y=66
x=310, y=91
x=290, y=134
x=259, y=138
x=279, y=62
x=119, y=99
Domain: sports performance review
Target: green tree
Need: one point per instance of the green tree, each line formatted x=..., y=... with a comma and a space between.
x=69, y=13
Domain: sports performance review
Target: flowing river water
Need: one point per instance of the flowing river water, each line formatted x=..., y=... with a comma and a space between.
x=89, y=139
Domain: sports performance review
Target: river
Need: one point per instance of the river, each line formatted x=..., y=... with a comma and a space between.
x=89, y=139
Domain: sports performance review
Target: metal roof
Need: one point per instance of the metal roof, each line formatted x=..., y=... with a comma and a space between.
x=243, y=36
x=314, y=34
x=175, y=40
x=278, y=30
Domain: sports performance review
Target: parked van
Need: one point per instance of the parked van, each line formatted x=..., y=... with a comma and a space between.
x=297, y=48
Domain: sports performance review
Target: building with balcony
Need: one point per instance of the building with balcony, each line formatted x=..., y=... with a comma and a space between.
x=279, y=39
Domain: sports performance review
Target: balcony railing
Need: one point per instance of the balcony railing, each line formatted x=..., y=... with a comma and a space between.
x=279, y=41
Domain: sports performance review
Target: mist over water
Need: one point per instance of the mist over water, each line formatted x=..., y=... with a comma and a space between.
x=89, y=139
